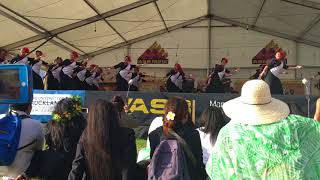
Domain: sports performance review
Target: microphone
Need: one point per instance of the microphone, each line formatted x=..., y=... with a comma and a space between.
x=307, y=89
x=130, y=82
x=307, y=92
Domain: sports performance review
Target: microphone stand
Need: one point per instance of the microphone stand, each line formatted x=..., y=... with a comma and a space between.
x=307, y=90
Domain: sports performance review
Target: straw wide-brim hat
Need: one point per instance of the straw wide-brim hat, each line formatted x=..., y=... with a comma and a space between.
x=255, y=106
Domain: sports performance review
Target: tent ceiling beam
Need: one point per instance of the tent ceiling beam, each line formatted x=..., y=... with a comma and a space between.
x=141, y=38
x=259, y=13
x=265, y=31
x=160, y=14
x=79, y=23
x=314, y=22
x=304, y=3
x=29, y=26
x=107, y=22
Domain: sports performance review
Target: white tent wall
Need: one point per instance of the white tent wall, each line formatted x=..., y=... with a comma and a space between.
x=110, y=58
x=189, y=47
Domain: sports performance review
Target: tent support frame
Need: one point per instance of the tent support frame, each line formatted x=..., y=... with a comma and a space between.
x=79, y=24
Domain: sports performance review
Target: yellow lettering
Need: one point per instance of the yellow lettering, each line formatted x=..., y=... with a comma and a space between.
x=139, y=105
x=157, y=106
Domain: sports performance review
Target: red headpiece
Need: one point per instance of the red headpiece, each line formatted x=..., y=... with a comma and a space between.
x=75, y=54
x=26, y=50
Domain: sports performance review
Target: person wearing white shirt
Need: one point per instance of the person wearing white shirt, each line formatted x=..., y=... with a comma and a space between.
x=31, y=140
x=211, y=122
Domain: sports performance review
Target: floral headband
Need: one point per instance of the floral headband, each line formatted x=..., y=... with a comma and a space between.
x=71, y=113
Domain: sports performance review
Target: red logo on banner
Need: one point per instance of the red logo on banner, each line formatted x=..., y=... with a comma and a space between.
x=266, y=53
x=154, y=55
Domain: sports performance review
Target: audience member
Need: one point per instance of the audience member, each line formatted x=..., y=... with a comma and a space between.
x=144, y=153
x=263, y=141
x=105, y=151
x=125, y=120
x=31, y=140
x=210, y=124
x=181, y=124
x=64, y=131
x=317, y=113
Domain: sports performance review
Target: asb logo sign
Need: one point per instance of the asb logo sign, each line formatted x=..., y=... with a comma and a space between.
x=154, y=106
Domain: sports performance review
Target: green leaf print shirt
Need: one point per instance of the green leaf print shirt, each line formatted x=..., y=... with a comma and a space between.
x=288, y=149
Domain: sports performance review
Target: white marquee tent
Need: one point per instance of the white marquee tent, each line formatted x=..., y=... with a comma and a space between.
x=195, y=33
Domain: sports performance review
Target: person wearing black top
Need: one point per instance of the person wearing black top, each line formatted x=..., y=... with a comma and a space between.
x=123, y=76
x=22, y=58
x=175, y=79
x=274, y=68
x=97, y=78
x=3, y=54
x=184, y=127
x=63, y=134
x=217, y=79
x=67, y=73
x=36, y=64
x=105, y=150
x=136, y=79
x=53, y=74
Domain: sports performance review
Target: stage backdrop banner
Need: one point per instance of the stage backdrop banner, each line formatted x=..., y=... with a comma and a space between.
x=145, y=106
x=45, y=101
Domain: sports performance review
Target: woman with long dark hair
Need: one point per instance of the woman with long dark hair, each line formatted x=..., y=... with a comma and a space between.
x=178, y=119
x=211, y=122
x=105, y=151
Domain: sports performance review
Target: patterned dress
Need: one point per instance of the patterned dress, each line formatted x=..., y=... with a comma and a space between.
x=288, y=149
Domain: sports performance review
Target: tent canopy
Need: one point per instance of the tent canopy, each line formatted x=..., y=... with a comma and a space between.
x=93, y=27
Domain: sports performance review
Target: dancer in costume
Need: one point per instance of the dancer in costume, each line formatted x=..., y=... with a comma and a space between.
x=274, y=68
x=175, y=79
x=218, y=78
x=124, y=74
x=36, y=64
x=53, y=74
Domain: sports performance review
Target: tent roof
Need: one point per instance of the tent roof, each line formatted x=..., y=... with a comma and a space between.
x=92, y=27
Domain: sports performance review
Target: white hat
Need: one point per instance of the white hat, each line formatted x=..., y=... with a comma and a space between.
x=255, y=105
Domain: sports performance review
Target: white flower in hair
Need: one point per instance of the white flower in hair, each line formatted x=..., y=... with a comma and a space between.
x=170, y=116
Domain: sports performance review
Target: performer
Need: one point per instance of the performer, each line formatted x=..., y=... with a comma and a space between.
x=82, y=72
x=258, y=72
x=22, y=58
x=97, y=78
x=67, y=72
x=217, y=80
x=53, y=74
x=36, y=64
x=272, y=71
x=175, y=79
x=123, y=76
x=3, y=55
x=137, y=79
